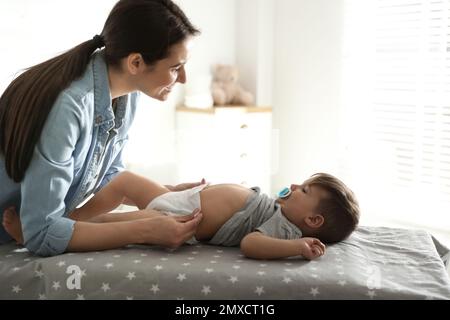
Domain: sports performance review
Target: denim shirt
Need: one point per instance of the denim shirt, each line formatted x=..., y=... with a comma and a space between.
x=79, y=151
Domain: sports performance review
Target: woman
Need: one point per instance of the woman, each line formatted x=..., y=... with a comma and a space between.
x=64, y=123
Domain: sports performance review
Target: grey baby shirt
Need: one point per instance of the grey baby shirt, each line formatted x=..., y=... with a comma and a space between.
x=260, y=213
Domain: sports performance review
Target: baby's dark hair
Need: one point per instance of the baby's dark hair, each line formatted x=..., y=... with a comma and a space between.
x=340, y=208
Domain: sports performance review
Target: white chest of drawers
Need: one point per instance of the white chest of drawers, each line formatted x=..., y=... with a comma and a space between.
x=225, y=145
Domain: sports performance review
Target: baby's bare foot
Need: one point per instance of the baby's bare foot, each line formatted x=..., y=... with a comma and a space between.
x=11, y=223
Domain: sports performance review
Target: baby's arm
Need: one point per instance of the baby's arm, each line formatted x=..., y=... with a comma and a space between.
x=259, y=246
x=125, y=186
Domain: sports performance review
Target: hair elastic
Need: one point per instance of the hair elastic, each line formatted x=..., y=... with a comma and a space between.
x=98, y=41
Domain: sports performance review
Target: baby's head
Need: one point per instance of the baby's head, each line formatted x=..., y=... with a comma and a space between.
x=322, y=207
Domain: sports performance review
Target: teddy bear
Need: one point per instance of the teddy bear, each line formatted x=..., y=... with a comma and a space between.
x=225, y=88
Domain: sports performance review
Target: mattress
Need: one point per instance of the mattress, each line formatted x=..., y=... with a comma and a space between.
x=373, y=263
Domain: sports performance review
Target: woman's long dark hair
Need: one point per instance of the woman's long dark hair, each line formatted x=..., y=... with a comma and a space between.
x=148, y=27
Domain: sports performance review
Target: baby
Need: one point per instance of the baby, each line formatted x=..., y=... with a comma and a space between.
x=321, y=210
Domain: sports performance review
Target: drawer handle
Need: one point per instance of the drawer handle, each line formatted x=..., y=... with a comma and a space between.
x=244, y=126
x=243, y=155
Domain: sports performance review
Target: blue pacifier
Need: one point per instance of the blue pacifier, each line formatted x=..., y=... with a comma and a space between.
x=284, y=193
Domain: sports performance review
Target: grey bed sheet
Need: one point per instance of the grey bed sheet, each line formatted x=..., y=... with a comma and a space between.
x=374, y=263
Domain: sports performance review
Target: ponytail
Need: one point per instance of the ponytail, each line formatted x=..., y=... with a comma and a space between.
x=28, y=100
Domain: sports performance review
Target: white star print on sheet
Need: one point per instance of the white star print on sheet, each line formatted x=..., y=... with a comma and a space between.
x=181, y=277
x=259, y=291
x=105, y=287
x=39, y=273
x=131, y=275
x=206, y=290
x=16, y=289
x=287, y=279
x=314, y=291
x=342, y=282
x=371, y=294
x=154, y=288
x=56, y=285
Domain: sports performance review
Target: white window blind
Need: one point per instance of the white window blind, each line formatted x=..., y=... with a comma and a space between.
x=396, y=93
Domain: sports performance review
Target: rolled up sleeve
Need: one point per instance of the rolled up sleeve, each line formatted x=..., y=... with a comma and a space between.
x=54, y=240
x=45, y=229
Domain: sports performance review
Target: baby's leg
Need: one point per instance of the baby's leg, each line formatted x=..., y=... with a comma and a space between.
x=126, y=185
x=141, y=190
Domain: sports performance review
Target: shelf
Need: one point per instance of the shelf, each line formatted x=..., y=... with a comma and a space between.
x=248, y=109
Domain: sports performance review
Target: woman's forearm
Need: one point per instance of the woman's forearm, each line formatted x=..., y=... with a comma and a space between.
x=125, y=216
x=157, y=230
x=89, y=236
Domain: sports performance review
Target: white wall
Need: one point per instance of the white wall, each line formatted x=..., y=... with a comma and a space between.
x=307, y=76
x=254, y=48
x=33, y=31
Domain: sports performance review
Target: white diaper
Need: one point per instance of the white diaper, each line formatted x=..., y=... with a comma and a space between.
x=178, y=203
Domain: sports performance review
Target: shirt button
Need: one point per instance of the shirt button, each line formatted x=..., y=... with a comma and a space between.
x=98, y=119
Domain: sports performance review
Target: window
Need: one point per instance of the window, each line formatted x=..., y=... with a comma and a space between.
x=396, y=97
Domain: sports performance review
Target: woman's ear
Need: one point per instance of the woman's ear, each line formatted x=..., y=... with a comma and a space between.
x=315, y=221
x=134, y=63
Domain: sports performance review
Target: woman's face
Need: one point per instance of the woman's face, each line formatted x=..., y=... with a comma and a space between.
x=158, y=80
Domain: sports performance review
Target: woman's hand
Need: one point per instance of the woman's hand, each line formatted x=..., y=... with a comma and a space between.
x=311, y=248
x=184, y=186
x=170, y=231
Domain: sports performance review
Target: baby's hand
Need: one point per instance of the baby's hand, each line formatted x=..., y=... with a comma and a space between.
x=311, y=248
x=185, y=186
